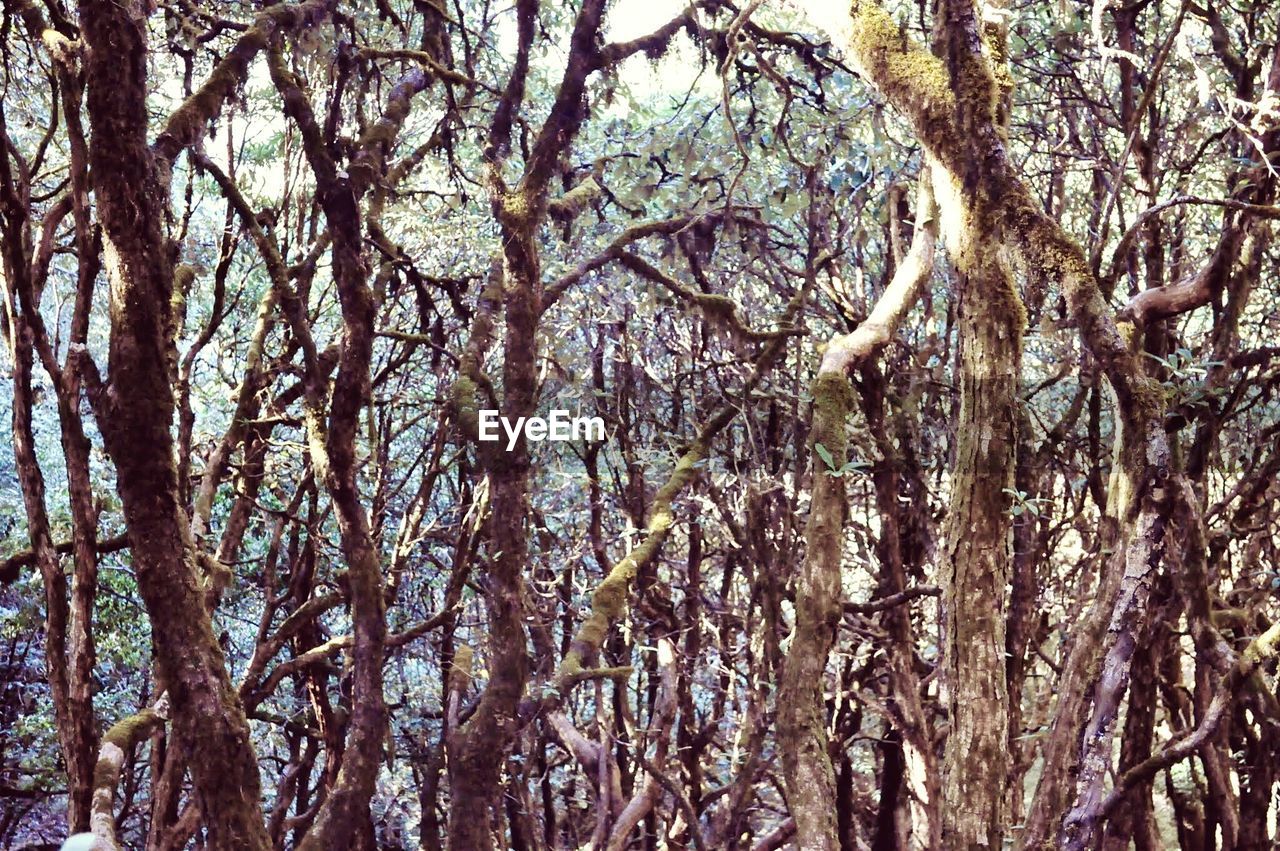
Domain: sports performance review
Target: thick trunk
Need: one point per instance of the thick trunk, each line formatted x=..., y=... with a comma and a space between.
x=950, y=105
x=979, y=556
x=134, y=413
x=978, y=562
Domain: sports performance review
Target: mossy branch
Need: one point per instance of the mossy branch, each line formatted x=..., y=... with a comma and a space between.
x=188, y=121
x=381, y=135
x=570, y=204
x=460, y=671
x=471, y=375
x=666, y=227
x=121, y=738
x=429, y=62
x=11, y=567
x=610, y=597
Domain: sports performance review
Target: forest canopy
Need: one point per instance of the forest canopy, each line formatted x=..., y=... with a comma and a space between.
x=639, y=425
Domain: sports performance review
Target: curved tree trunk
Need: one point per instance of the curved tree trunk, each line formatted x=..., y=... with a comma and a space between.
x=802, y=714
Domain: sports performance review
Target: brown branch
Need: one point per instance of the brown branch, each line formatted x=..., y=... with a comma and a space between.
x=188, y=121
x=664, y=710
x=426, y=59
x=882, y=603
x=667, y=227
x=1264, y=211
x=11, y=566
x=1261, y=650
x=716, y=308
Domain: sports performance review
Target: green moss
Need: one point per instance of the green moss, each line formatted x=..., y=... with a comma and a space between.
x=717, y=306
x=878, y=41
x=1150, y=395
x=576, y=199
x=611, y=596
x=462, y=397
x=516, y=206
x=460, y=670
x=124, y=734
x=832, y=401
x=609, y=600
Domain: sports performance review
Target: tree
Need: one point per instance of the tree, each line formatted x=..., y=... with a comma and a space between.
x=935, y=505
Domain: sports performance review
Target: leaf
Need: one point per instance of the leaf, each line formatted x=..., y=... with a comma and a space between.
x=825, y=455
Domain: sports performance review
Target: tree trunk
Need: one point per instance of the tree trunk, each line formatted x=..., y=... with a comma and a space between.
x=979, y=556
x=802, y=716
x=135, y=411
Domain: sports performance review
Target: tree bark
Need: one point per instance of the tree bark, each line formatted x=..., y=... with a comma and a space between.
x=964, y=141
x=135, y=410
x=802, y=716
x=978, y=564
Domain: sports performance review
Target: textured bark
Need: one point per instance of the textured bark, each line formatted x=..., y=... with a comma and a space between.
x=26, y=270
x=979, y=556
x=1260, y=651
x=1143, y=555
x=134, y=412
x=344, y=818
x=75, y=444
x=802, y=718
x=966, y=145
x=477, y=749
x=802, y=713
x=1135, y=821
x=84, y=588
